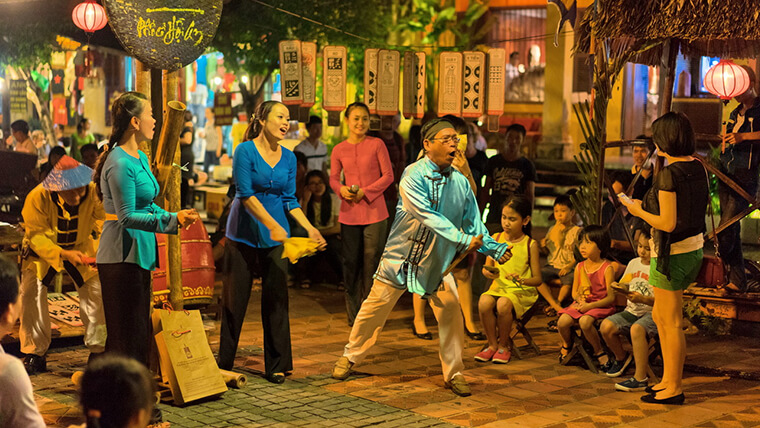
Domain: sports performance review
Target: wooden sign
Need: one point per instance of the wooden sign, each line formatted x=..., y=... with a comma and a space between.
x=19, y=103
x=164, y=34
x=334, y=82
x=370, y=79
x=474, y=84
x=309, y=73
x=290, y=72
x=450, y=84
x=223, y=109
x=496, y=70
x=388, y=67
x=409, y=95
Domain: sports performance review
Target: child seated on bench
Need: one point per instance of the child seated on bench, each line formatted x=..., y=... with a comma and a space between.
x=559, y=244
x=636, y=320
x=513, y=290
x=592, y=293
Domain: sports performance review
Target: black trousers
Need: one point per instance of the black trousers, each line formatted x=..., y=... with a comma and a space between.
x=730, y=239
x=362, y=249
x=126, y=302
x=242, y=263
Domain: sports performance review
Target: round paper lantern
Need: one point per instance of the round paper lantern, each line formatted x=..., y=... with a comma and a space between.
x=89, y=16
x=726, y=80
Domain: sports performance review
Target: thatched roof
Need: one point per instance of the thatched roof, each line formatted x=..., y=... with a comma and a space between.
x=724, y=28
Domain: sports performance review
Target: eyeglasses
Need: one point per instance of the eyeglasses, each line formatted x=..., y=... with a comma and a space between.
x=449, y=139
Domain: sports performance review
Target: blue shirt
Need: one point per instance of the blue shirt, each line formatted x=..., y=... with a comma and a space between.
x=436, y=217
x=129, y=189
x=274, y=187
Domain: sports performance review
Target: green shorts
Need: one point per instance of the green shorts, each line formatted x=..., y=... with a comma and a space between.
x=684, y=269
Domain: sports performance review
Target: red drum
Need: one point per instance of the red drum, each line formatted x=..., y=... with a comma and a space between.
x=197, y=267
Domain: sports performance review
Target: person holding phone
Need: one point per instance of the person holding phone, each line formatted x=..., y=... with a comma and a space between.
x=675, y=208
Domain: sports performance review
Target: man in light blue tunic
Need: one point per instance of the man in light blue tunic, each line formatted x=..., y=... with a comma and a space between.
x=437, y=218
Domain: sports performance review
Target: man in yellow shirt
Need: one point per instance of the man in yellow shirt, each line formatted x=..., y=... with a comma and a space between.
x=63, y=218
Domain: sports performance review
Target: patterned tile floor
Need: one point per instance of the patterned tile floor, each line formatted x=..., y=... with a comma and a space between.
x=400, y=383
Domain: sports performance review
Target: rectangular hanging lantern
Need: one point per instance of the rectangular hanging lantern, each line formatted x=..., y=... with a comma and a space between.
x=495, y=88
x=290, y=72
x=450, y=84
x=410, y=83
x=419, y=102
x=474, y=84
x=309, y=73
x=370, y=79
x=388, y=68
x=334, y=82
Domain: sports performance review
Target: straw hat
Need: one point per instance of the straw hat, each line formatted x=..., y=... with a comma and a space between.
x=67, y=174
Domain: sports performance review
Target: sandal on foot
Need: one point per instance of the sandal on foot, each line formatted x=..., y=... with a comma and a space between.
x=552, y=326
x=562, y=356
x=605, y=366
x=550, y=312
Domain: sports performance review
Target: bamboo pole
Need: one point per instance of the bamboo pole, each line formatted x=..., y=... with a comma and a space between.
x=142, y=85
x=173, y=204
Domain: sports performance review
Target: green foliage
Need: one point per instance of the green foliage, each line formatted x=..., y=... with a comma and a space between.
x=27, y=44
x=249, y=32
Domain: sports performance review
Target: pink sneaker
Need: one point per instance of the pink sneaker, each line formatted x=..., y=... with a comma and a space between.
x=485, y=355
x=501, y=357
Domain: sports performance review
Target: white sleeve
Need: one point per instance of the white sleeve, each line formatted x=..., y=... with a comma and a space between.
x=17, y=406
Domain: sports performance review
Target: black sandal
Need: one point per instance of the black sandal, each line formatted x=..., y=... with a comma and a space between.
x=550, y=312
x=552, y=326
x=605, y=366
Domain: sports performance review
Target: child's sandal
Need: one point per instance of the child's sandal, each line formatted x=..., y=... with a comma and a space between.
x=603, y=367
x=552, y=326
x=564, y=355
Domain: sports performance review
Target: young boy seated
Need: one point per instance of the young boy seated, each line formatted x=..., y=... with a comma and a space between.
x=636, y=320
x=17, y=407
x=559, y=243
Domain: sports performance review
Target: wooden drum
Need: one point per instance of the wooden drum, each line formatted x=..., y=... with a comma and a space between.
x=197, y=267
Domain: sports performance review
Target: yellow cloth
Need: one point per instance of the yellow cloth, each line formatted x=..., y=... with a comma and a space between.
x=295, y=248
x=522, y=296
x=40, y=215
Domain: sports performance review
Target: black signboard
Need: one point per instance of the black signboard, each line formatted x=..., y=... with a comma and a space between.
x=164, y=34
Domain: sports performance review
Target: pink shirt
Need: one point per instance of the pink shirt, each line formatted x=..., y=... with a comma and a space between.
x=368, y=165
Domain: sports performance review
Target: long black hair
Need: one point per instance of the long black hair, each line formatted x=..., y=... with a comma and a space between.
x=326, y=209
x=261, y=113
x=113, y=390
x=523, y=207
x=127, y=106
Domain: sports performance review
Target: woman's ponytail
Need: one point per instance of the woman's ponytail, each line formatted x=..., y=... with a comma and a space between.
x=262, y=112
x=127, y=106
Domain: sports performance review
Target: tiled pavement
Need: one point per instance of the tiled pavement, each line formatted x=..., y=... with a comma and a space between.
x=400, y=384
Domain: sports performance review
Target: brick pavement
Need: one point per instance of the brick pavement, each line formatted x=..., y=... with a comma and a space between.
x=400, y=384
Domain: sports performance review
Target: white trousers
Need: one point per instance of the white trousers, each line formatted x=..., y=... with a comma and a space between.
x=374, y=313
x=35, y=320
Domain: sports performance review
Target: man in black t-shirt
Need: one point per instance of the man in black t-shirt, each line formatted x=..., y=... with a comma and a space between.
x=508, y=173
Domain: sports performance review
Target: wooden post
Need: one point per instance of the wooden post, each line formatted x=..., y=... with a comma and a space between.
x=667, y=70
x=142, y=85
x=173, y=204
x=157, y=102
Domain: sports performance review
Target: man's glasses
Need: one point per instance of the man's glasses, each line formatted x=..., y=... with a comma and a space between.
x=449, y=139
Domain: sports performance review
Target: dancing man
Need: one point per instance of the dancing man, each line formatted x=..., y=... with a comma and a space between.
x=436, y=218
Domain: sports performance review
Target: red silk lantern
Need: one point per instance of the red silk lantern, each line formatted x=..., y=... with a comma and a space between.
x=89, y=16
x=726, y=80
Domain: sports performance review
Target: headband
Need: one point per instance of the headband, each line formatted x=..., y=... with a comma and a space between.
x=438, y=127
